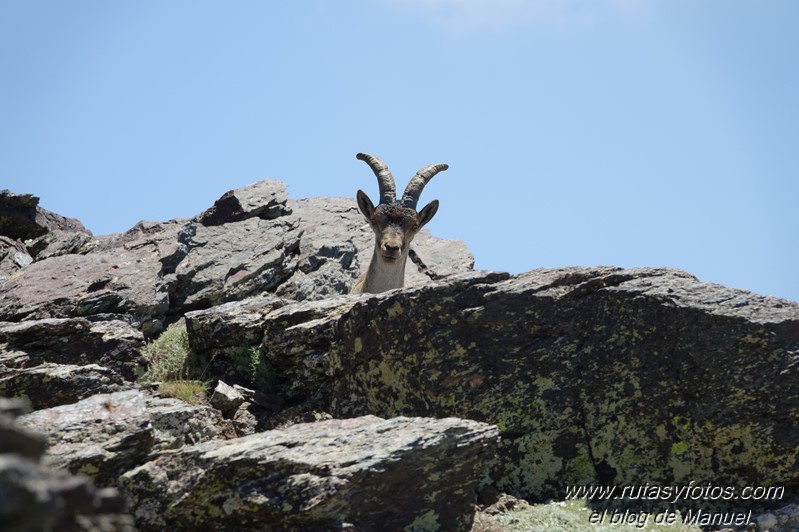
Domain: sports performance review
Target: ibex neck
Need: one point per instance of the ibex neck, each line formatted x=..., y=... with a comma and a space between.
x=383, y=275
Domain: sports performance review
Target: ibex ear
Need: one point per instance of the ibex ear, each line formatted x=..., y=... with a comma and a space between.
x=426, y=214
x=365, y=204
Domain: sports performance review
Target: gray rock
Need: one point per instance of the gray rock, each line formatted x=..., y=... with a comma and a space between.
x=13, y=257
x=766, y=522
x=244, y=421
x=120, y=275
x=594, y=375
x=230, y=324
x=785, y=519
x=226, y=398
x=73, y=341
x=37, y=498
x=253, y=240
x=107, y=434
x=368, y=473
x=264, y=199
x=58, y=242
x=48, y=385
x=215, y=264
x=21, y=217
x=15, y=254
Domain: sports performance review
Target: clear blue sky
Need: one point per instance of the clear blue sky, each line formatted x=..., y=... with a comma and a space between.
x=578, y=132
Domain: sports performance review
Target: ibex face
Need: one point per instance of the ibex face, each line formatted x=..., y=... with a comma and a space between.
x=395, y=223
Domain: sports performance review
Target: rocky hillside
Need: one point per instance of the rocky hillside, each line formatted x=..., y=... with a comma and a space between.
x=395, y=411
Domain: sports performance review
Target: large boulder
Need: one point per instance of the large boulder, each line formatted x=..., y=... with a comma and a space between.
x=365, y=473
x=219, y=263
x=105, y=435
x=593, y=375
x=601, y=376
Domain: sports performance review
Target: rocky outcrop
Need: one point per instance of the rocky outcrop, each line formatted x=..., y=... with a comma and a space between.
x=320, y=476
x=35, y=497
x=594, y=376
x=252, y=240
x=27, y=230
x=119, y=278
x=590, y=375
x=21, y=218
x=106, y=435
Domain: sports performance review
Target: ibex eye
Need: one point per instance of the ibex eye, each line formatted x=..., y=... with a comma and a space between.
x=415, y=227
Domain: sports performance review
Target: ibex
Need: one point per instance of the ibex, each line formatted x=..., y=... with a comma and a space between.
x=395, y=223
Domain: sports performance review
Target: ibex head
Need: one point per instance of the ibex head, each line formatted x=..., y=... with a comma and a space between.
x=394, y=222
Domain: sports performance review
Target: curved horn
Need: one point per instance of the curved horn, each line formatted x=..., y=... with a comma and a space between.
x=414, y=189
x=388, y=190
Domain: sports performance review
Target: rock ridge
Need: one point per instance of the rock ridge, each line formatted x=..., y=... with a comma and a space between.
x=325, y=410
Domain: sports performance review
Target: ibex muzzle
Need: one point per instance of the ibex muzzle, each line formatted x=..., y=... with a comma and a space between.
x=395, y=223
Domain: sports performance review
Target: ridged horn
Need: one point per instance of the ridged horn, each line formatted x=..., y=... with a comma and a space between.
x=414, y=189
x=388, y=190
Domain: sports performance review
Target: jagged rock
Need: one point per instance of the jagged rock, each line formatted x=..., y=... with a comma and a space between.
x=337, y=245
x=121, y=275
x=107, y=434
x=21, y=217
x=230, y=324
x=265, y=199
x=58, y=242
x=49, y=385
x=594, y=375
x=226, y=398
x=215, y=264
x=368, y=473
x=74, y=341
x=244, y=421
x=253, y=240
x=37, y=498
x=13, y=257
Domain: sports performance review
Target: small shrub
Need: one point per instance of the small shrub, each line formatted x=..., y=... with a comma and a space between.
x=166, y=355
x=248, y=361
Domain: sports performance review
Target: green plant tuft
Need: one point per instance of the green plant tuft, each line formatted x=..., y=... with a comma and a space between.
x=186, y=390
x=250, y=362
x=166, y=355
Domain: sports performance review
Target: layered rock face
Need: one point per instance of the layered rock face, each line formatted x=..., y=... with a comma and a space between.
x=333, y=411
x=593, y=376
